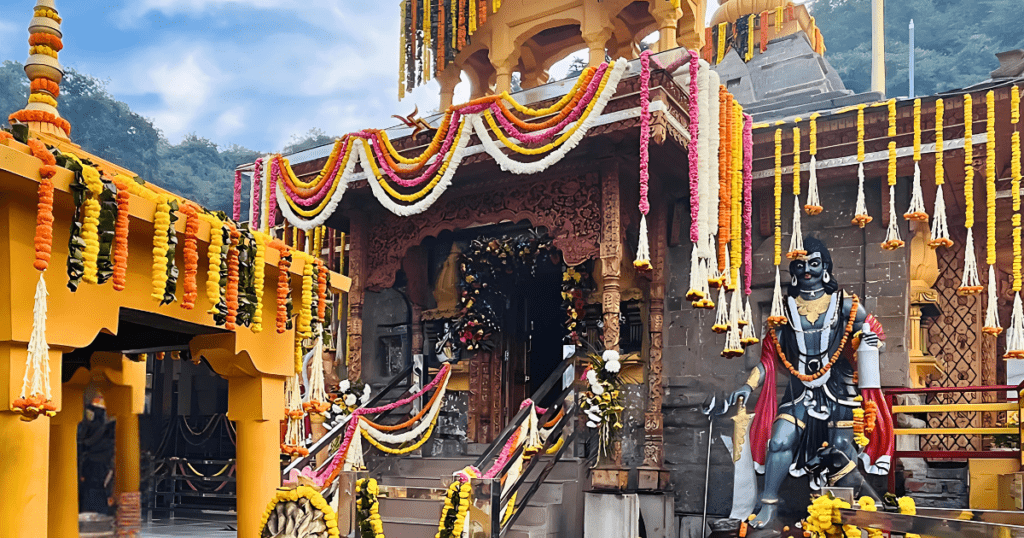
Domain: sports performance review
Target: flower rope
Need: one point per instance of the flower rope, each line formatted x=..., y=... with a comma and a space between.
x=643, y=251
x=255, y=198
x=259, y=276
x=970, y=284
x=36, y=396
x=778, y=315
x=43, y=239
x=736, y=188
x=992, y=326
x=940, y=226
x=236, y=200
x=892, y=232
x=860, y=217
x=1015, y=334
x=796, y=243
x=120, y=256
x=295, y=438
x=190, y=253
x=813, y=205
x=916, y=210
x=161, y=223
x=700, y=293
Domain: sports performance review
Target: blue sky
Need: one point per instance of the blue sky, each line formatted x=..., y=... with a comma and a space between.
x=248, y=72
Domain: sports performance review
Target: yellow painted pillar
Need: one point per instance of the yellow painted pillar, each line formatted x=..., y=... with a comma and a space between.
x=256, y=404
x=24, y=473
x=596, y=41
x=124, y=390
x=502, y=79
x=63, y=493
x=126, y=445
x=667, y=18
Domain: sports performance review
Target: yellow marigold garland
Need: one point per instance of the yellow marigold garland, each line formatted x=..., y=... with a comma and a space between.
x=860, y=133
x=867, y=504
x=909, y=508
x=861, y=217
x=917, y=129
x=990, y=177
x=214, y=255
x=90, y=234
x=813, y=205
x=968, y=161
x=259, y=279
x=736, y=169
x=778, y=197
x=161, y=220
x=796, y=247
x=940, y=228
x=892, y=117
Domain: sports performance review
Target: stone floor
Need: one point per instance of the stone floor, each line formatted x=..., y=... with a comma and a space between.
x=213, y=527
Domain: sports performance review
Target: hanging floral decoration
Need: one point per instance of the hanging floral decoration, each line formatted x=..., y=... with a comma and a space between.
x=916, y=210
x=725, y=180
x=796, y=244
x=409, y=185
x=1015, y=333
x=259, y=275
x=602, y=403
x=292, y=508
x=970, y=284
x=940, y=226
x=861, y=217
x=295, y=436
x=367, y=509
x=813, y=205
x=36, y=398
x=352, y=395
x=231, y=292
x=748, y=336
x=120, y=276
x=189, y=285
x=892, y=234
x=44, y=217
x=489, y=266
x=91, y=238
x=992, y=326
x=456, y=506
x=236, y=200
x=643, y=251
x=576, y=283
x=777, y=316
x=284, y=289
x=699, y=293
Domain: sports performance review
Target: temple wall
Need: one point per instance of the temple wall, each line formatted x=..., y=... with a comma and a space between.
x=694, y=369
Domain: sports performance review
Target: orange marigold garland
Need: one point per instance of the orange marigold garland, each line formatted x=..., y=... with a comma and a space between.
x=231, y=291
x=121, y=235
x=190, y=291
x=283, y=286
x=44, y=217
x=306, y=314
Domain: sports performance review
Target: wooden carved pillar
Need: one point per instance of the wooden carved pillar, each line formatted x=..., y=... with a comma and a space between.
x=611, y=263
x=611, y=256
x=653, y=438
x=357, y=272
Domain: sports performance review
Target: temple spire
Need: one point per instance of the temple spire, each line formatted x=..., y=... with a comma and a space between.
x=44, y=72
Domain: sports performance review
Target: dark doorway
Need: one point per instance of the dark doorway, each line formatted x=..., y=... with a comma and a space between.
x=545, y=320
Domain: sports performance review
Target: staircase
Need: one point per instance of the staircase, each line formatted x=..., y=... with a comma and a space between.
x=554, y=511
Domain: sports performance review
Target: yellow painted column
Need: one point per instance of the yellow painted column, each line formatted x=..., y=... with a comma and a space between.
x=63, y=493
x=256, y=404
x=128, y=459
x=24, y=474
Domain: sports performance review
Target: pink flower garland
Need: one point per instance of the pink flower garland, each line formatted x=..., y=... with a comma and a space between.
x=375, y=143
x=542, y=136
x=275, y=172
x=748, y=157
x=257, y=191
x=694, y=124
x=316, y=198
x=645, y=127
x=339, y=456
x=237, y=207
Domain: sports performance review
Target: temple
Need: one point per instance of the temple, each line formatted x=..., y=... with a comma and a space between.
x=699, y=287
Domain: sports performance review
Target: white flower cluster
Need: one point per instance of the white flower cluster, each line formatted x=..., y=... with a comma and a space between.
x=351, y=398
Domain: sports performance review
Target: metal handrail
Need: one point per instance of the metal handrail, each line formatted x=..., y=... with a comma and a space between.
x=340, y=426
x=519, y=417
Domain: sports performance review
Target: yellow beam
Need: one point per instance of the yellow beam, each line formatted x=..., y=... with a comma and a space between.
x=956, y=431
x=955, y=408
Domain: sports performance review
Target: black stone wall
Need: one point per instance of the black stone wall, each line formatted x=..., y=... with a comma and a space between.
x=693, y=367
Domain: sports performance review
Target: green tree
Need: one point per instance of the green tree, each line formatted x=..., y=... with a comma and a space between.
x=954, y=41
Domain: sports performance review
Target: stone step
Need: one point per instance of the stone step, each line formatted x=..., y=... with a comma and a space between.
x=565, y=469
x=409, y=528
x=429, y=510
x=549, y=492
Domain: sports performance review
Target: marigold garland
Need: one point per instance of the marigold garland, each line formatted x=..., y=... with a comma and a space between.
x=736, y=193
x=861, y=217
x=796, y=244
x=190, y=253
x=41, y=116
x=306, y=313
x=161, y=220
x=778, y=197
x=259, y=279
x=42, y=98
x=968, y=161
x=940, y=227
x=283, y=284
x=43, y=239
x=813, y=205
x=231, y=291
x=992, y=326
x=321, y=303
x=121, y=235
x=214, y=257
x=91, y=237
x=892, y=234
x=45, y=85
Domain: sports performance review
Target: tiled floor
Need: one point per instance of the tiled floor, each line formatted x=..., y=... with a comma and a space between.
x=214, y=527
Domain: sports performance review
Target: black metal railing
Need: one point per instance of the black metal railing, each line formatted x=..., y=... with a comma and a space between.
x=501, y=522
x=338, y=428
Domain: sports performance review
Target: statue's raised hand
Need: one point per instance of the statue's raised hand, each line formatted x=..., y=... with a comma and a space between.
x=869, y=337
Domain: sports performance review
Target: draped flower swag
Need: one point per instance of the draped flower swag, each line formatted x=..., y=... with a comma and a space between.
x=307, y=205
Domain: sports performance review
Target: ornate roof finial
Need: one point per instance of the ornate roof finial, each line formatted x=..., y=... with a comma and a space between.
x=44, y=72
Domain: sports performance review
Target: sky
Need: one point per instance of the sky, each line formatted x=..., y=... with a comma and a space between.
x=250, y=72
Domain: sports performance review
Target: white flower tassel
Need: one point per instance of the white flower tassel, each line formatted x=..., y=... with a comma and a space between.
x=892, y=233
x=749, y=336
x=733, y=345
x=992, y=326
x=916, y=210
x=970, y=284
x=36, y=396
x=722, y=313
x=796, y=243
x=1015, y=334
x=705, y=274
x=813, y=206
x=940, y=228
x=861, y=217
x=778, y=314
x=643, y=249
x=294, y=435
x=697, y=276
x=317, y=392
